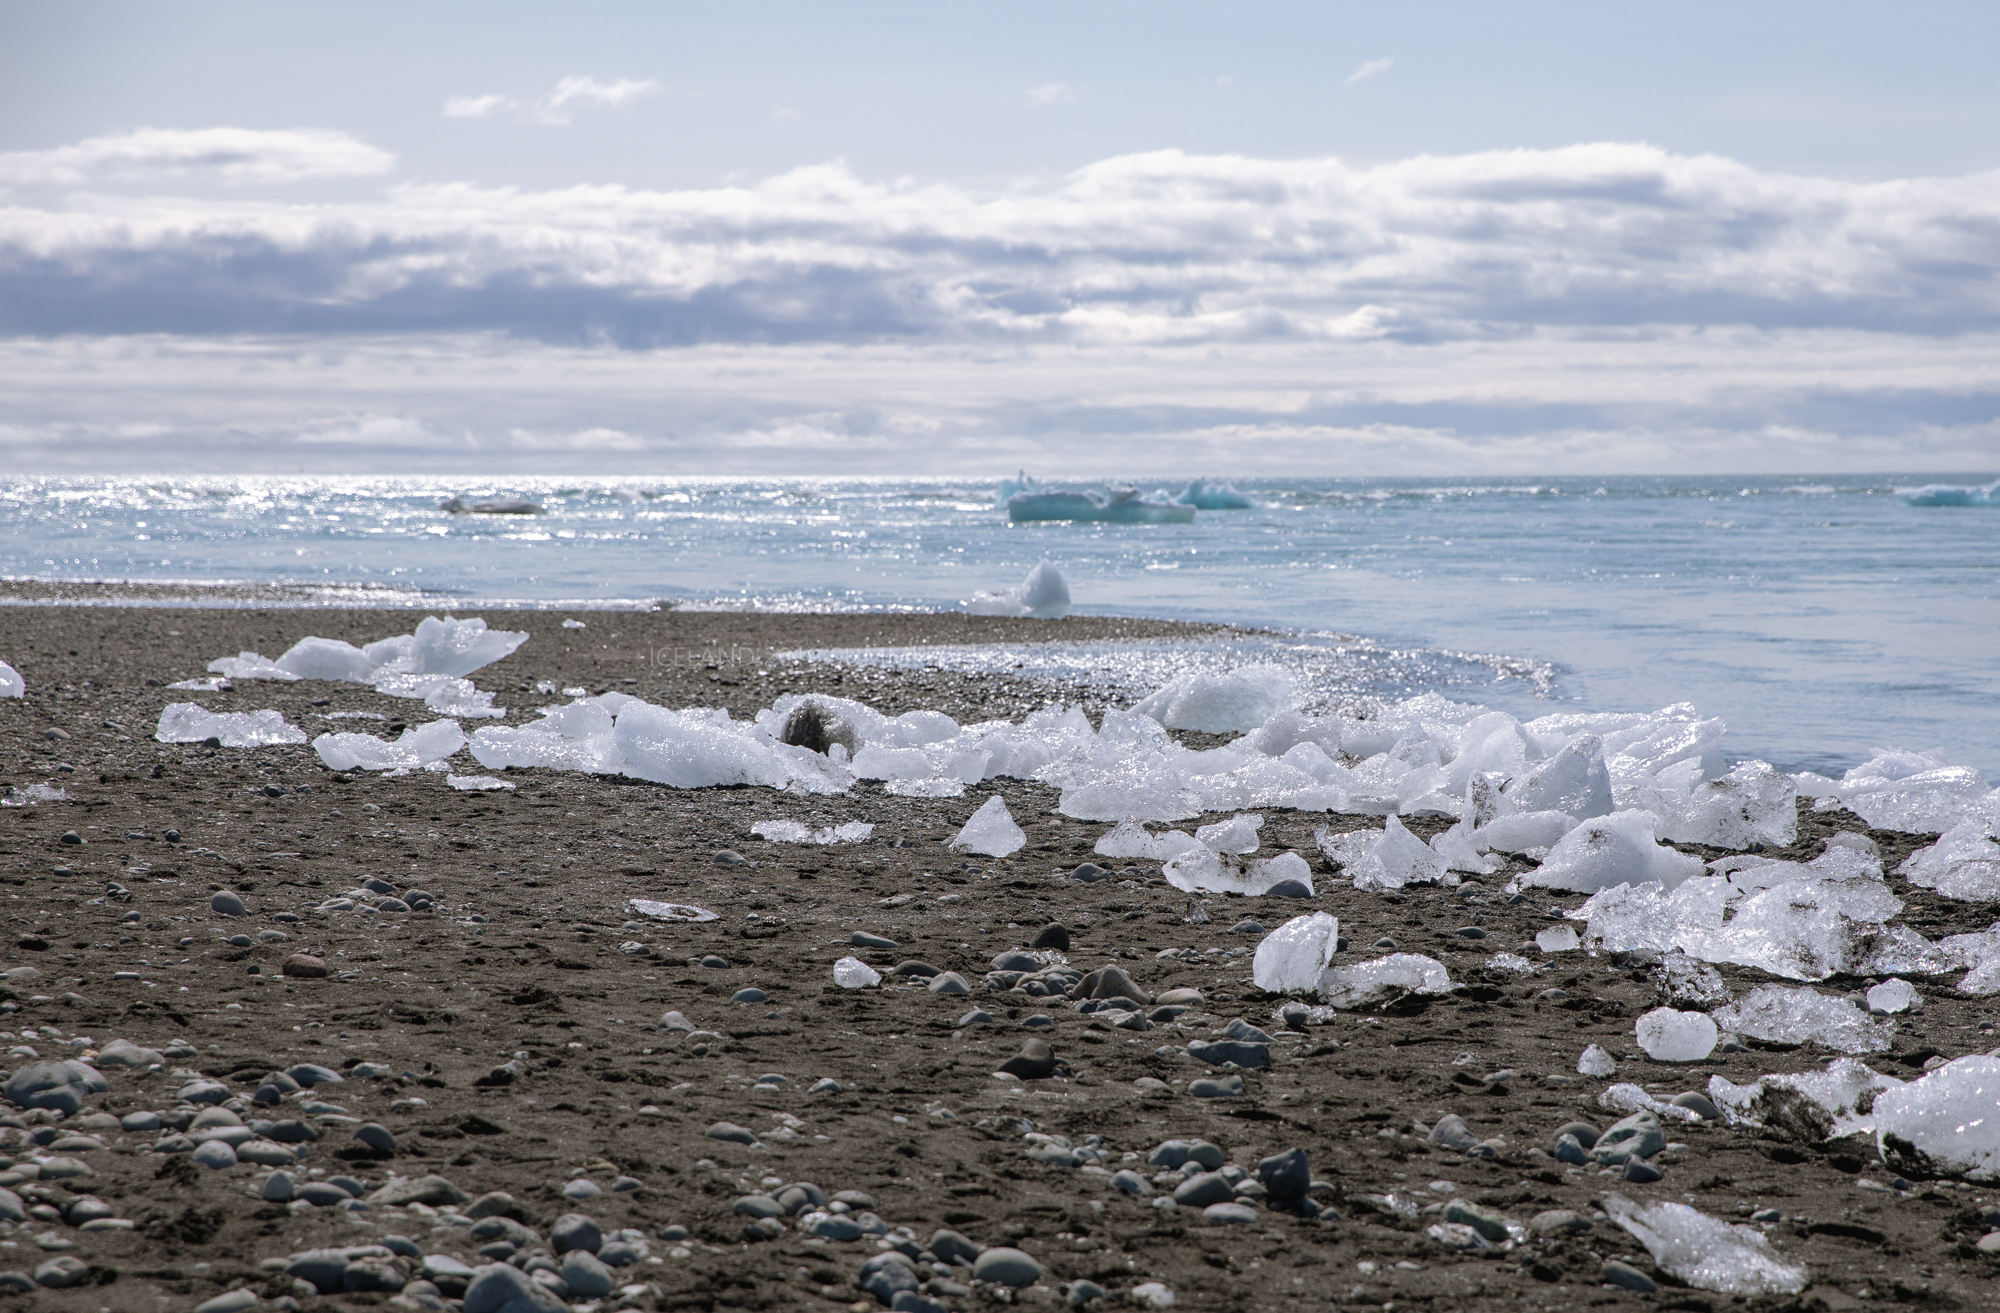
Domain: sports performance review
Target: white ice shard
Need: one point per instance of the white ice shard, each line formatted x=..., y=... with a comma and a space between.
x=248, y=665
x=1043, y=595
x=11, y=683
x=853, y=973
x=579, y=737
x=1669, y=1035
x=1611, y=850
x=1455, y=849
x=1388, y=858
x=1915, y=792
x=1198, y=870
x=1382, y=979
x=1980, y=951
x=1812, y=929
x=932, y=788
x=702, y=747
x=990, y=831
x=1574, y=781
x=448, y=695
x=418, y=746
x=1707, y=1252
x=1238, y=834
x=1520, y=831
x=1778, y=1015
x=1964, y=863
x=1845, y=1091
x=1596, y=1063
x=34, y=795
x=1295, y=956
x=476, y=783
x=1557, y=939
x=450, y=646
x=1753, y=804
x=1892, y=996
x=1128, y=838
x=1236, y=703
x=440, y=646
x=186, y=722
x=1625, y=1097
x=799, y=832
x=326, y=658
x=669, y=911
x=1946, y=1122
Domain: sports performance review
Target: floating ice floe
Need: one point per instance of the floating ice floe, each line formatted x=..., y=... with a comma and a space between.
x=185, y=722
x=799, y=832
x=476, y=783
x=1844, y=1096
x=990, y=831
x=1294, y=957
x=659, y=911
x=1952, y=494
x=1043, y=595
x=420, y=745
x=1707, y=1252
x=1235, y=703
x=1915, y=792
x=1778, y=1015
x=1383, y=979
x=1944, y=1123
x=11, y=683
x=1964, y=863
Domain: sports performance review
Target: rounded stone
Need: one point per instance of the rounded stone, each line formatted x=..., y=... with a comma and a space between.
x=229, y=903
x=750, y=994
x=1006, y=1267
x=304, y=966
x=214, y=1155
x=1627, y=1277
x=376, y=1136
x=575, y=1231
x=1229, y=1214
x=585, y=1275
x=62, y=1273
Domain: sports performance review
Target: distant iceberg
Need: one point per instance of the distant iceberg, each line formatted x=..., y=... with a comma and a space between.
x=1214, y=497
x=1117, y=505
x=1952, y=494
x=490, y=506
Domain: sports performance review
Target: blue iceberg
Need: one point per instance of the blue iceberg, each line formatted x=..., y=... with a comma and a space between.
x=1950, y=494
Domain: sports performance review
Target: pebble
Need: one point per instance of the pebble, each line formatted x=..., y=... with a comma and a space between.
x=1206, y=1188
x=826, y=1085
x=862, y=939
x=715, y=963
x=730, y=857
x=976, y=1017
x=1152, y=1087
x=750, y=994
x=1558, y=1221
x=214, y=1155
x=1988, y=1243
x=376, y=1136
x=1054, y=935
x=1035, y=1061
x=949, y=982
x=1627, y=1277
x=1488, y=1222
x=1229, y=1087
x=1130, y=1182
x=1640, y=1172
x=1090, y=873
x=732, y=1133
x=1247, y=928
x=1698, y=1104
x=1241, y=1052
x=575, y=1231
x=1471, y=932
x=304, y=966
x=230, y=1301
x=1384, y=942
x=585, y=1275
x=1586, y=1134
x=1006, y=1267
x=62, y=1273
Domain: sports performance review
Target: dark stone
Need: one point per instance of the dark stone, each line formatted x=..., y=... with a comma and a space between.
x=1054, y=935
x=1110, y=982
x=1035, y=1061
x=1286, y=1176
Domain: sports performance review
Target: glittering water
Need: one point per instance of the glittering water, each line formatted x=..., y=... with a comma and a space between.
x=1817, y=617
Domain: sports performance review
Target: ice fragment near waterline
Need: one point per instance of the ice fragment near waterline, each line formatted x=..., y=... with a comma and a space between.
x=990, y=831
x=1964, y=863
x=1946, y=1122
x=1611, y=850
x=1235, y=703
x=1043, y=595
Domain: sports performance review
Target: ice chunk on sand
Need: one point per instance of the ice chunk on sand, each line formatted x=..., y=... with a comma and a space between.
x=1235, y=703
x=1611, y=850
x=1668, y=1035
x=11, y=683
x=1388, y=858
x=990, y=831
x=1043, y=595
x=1557, y=939
x=1519, y=832
x=1384, y=979
x=1753, y=804
x=418, y=746
x=1964, y=863
x=1707, y=1252
x=1915, y=792
x=1946, y=1122
x=1128, y=838
x=1200, y=871
x=34, y=795
x=248, y=665
x=476, y=783
x=1238, y=834
x=659, y=911
x=1596, y=1063
x=1574, y=782
x=1892, y=996
x=448, y=695
x=934, y=788
x=326, y=658
x=185, y=722
x=1778, y=1015
x=799, y=832
x=1628, y=1098
x=853, y=973
x=1812, y=929
x=576, y=737
x=450, y=646
x=1296, y=955
x=696, y=748
x=1843, y=1094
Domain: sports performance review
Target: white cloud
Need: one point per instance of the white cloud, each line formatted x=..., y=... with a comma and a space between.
x=1049, y=93
x=557, y=106
x=1368, y=70
x=231, y=155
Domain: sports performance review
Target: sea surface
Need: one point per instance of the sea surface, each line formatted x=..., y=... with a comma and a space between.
x=1818, y=617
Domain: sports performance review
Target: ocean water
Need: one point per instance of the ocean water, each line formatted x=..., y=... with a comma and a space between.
x=1820, y=618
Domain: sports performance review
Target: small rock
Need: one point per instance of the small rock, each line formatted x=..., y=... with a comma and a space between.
x=1240, y=1052
x=976, y=1017
x=1988, y=1243
x=62, y=1273
x=1285, y=1176
x=1698, y=1104
x=1451, y=1132
x=953, y=1248
x=58, y=1086
x=715, y=963
x=1489, y=1223
x=1637, y=1136
x=304, y=966
x=732, y=1133
x=376, y=1136
x=750, y=994
x=1228, y=1087
x=1035, y=1061
x=1586, y=1134
x=494, y=1203
x=279, y=1188
x=229, y=903
x=575, y=1231
x=730, y=857
x=949, y=982
x=499, y=1288
x=1201, y=1190
x=434, y=1191
x=1558, y=1221
x=1090, y=873
x=1130, y=1182
x=1054, y=935
x=862, y=939
x=214, y=1155
x=1570, y=1150
x=1627, y=1277
x=1640, y=1172
x=1229, y=1213
x=230, y=1301
x=1006, y=1267
x=585, y=1275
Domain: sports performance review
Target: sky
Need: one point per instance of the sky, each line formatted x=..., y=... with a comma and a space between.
x=1080, y=239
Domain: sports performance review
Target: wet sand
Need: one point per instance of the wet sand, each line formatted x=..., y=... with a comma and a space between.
x=523, y=961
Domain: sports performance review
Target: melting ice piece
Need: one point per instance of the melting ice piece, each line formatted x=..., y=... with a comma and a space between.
x=853, y=973
x=1455, y=848
x=1043, y=595
x=248, y=665
x=1383, y=979
x=1841, y=1091
x=1573, y=782
x=1707, y=1252
x=1914, y=792
x=1557, y=939
x=1388, y=858
x=1200, y=871
x=991, y=831
x=1752, y=804
x=1892, y=995
x=1812, y=929
x=1628, y=1098
x=448, y=695
x=185, y=722
x=1596, y=1063
x=931, y=788
x=1689, y=982
x=476, y=783
x=219, y=684
x=1964, y=863
x=1946, y=1122
x=799, y=832
x=1512, y=962
x=669, y=911
x=11, y=683
x=1235, y=703
x=418, y=746
x=1611, y=850
x=1128, y=838
x=1520, y=831
x=1669, y=1035
x=1296, y=955
x=1778, y=1015
x=33, y=795
x=1238, y=834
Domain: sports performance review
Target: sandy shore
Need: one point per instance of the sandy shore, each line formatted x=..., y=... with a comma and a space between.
x=522, y=965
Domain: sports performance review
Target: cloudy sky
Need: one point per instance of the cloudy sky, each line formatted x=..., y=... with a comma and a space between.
x=1083, y=238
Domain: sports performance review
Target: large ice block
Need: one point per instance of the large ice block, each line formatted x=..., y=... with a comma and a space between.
x=1946, y=1122
x=1235, y=703
x=1295, y=956
x=1383, y=979
x=1780, y=1015
x=1707, y=1252
x=417, y=746
x=187, y=722
x=1964, y=863
x=1611, y=850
